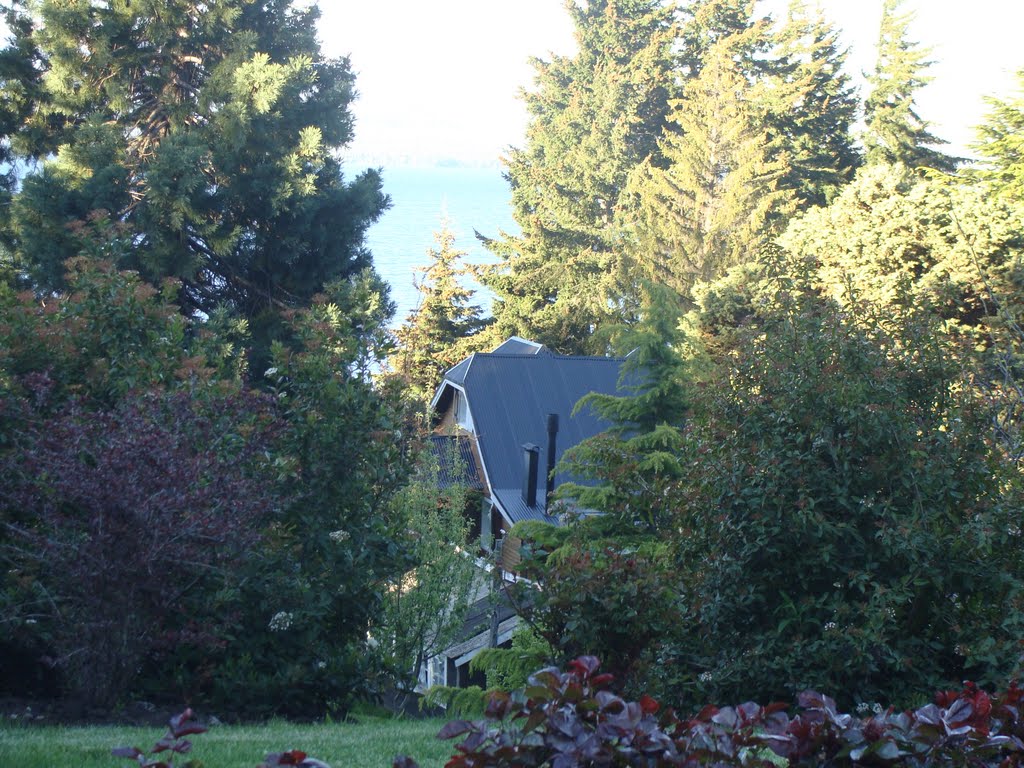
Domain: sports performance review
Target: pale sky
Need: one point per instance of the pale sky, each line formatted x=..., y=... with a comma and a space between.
x=440, y=78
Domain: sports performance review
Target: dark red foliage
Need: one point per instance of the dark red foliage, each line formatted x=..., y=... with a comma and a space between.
x=115, y=519
x=180, y=725
x=565, y=719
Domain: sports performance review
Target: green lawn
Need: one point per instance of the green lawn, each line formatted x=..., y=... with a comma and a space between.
x=370, y=743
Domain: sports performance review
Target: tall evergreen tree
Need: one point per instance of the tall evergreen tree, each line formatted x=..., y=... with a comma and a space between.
x=593, y=117
x=438, y=333
x=717, y=200
x=815, y=106
x=639, y=455
x=895, y=132
x=1001, y=144
x=209, y=132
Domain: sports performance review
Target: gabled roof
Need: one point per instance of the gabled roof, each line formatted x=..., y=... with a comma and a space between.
x=510, y=397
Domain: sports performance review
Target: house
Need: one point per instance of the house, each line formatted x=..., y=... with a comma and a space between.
x=502, y=421
x=509, y=417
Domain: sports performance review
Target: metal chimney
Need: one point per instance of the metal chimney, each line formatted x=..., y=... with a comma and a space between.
x=531, y=458
x=552, y=445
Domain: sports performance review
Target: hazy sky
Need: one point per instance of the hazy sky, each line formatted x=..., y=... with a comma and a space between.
x=440, y=78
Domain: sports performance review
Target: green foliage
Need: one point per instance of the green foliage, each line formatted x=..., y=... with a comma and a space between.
x=716, y=199
x=436, y=335
x=510, y=668
x=618, y=603
x=457, y=702
x=208, y=132
x=313, y=590
x=851, y=529
x=639, y=454
x=1000, y=143
x=111, y=333
x=425, y=605
x=815, y=108
x=893, y=238
x=593, y=117
x=895, y=133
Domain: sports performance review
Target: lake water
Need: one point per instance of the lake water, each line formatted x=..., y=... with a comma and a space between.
x=471, y=198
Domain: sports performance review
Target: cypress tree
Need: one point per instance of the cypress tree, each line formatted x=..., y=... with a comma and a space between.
x=197, y=141
x=895, y=132
x=593, y=117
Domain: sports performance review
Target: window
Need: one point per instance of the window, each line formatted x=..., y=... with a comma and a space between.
x=462, y=411
x=486, y=535
x=438, y=671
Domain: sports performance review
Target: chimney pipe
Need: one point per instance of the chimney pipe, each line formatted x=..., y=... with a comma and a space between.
x=531, y=456
x=552, y=445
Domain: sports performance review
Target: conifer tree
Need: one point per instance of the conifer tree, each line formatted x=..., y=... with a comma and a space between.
x=706, y=23
x=638, y=457
x=895, y=132
x=593, y=117
x=815, y=107
x=208, y=132
x=439, y=332
x=1001, y=144
x=717, y=200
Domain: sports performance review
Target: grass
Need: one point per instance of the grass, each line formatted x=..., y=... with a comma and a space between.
x=369, y=743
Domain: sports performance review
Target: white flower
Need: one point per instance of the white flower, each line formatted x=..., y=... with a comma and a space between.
x=270, y=372
x=339, y=536
x=830, y=626
x=863, y=707
x=321, y=665
x=280, y=621
x=876, y=708
x=705, y=677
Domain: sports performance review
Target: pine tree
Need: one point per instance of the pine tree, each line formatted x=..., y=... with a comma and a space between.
x=593, y=117
x=208, y=132
x=717, y=201
x=895, y=132
x=815, y=107
x=438, y=333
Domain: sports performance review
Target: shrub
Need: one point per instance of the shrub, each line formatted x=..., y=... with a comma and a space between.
x=572, y=718
x=116, y=523
x=846, y=521
x=600, y=601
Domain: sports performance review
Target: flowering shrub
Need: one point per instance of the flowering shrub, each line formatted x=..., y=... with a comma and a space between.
x=573, y=719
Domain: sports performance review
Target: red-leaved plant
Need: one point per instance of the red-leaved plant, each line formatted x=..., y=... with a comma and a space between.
x=565, y=719
x=174, y=741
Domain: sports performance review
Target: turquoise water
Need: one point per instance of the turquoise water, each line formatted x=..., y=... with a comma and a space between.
x=471, y=198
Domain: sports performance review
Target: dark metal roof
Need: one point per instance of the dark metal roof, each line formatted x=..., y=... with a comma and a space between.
x=458, y=374
x=456, y=462
x=516, y=346
x=510, y=397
